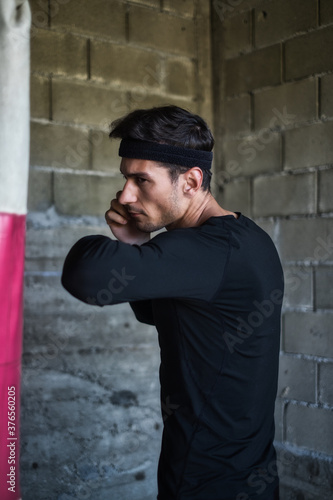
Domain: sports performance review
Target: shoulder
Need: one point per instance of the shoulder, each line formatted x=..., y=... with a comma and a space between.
x=206, y=237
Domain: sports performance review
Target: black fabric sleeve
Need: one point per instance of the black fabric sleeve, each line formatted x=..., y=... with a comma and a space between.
x=102, y=271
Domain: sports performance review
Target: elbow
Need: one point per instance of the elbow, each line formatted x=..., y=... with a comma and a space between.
x=85, y=272
x=70, y=280
x=74, y=278
x=73, y=282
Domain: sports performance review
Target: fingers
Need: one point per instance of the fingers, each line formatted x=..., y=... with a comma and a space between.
x=112, y=217
x=117, y=212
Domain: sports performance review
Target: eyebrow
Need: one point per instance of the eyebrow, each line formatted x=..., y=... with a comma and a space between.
x=136, y=174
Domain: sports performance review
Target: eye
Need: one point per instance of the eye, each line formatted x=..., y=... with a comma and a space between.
x=141, y=180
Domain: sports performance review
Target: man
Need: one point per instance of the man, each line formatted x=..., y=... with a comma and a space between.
x=212, y=284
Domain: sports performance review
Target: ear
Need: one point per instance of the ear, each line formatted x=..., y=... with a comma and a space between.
x=192, y=181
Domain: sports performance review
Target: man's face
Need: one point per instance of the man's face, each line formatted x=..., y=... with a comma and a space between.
x=151, y=199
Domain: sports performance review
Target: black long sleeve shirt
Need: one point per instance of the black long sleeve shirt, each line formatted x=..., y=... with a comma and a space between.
x=214, y=293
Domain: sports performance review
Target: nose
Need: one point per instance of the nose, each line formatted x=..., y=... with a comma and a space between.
x=128, y=194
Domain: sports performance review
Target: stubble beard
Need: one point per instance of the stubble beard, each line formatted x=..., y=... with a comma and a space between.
x=169, y=215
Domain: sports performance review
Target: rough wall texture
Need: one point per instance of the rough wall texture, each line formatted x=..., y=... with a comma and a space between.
x=90, y=393
x=273, y=98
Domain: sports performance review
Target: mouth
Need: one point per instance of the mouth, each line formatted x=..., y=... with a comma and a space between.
x=134, y=214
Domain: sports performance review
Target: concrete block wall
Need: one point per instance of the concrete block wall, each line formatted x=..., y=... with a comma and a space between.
x=91, y=421
x=93, y=61
x=273, y=95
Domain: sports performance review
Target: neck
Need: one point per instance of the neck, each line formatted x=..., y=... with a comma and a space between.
x=201, y=209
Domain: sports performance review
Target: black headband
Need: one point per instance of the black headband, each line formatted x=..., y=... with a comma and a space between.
x=154, y=151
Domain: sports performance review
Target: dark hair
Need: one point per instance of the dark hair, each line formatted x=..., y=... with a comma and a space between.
x=169, y=125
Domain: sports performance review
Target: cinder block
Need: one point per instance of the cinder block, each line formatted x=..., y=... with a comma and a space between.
x=79, y=194
x=145, y=99
x=326, y=12
x=85, y=103
x=323, y=287
x=36, y=5
x=236, y=196
x=39, y=15
x=252, y=156
x=297, y=379
x=203, y=32
x=40, y=190
x=46, y=248
x=182, y=7
x=179, y=7
x=162, y=31
x=298, y=287
x=54, y=318
x=284, y=195
x=289, y=489
x=149, y=3
x=121, y=64
x=306, y=239
x=277, y=21
x=269, y=226
x=251, y=71
x=224, y=9
x=72, y=329
x=45, y=294
x=180, y=77
x=305, y=56
x=285, y=105
x=59, y=146
x=309, y=146
x=104, y=18
x=308, y=333
x=238, y=115
x=326, y=190
x=237, y=35
x=309, y=427
x=278, y=417
x=326, y=96
x=325, y=383
x=104, y=152
x=39, y=97
x=308, y=476
x=59, y=53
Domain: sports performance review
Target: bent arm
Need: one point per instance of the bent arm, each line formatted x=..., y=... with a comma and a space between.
x=102, y=271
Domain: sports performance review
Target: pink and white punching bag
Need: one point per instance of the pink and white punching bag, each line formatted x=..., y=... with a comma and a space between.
x=14, y=161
